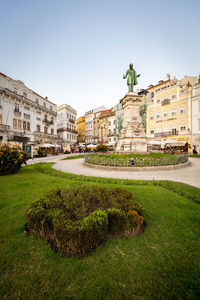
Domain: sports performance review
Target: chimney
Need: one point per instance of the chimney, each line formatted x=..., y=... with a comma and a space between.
x=168, y=76
x=46, y=97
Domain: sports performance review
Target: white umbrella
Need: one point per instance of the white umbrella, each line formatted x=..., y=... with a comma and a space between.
x=174, y=142
x=45, y=145
x=156, y=143
x=57, y=146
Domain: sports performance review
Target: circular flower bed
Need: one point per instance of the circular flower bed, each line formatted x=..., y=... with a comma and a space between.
x=76, y=220
x=135, y=160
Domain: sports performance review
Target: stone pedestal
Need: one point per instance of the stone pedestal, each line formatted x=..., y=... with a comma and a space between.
x=132, y=137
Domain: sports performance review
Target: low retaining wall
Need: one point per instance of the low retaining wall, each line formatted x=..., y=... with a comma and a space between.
x=153, y=168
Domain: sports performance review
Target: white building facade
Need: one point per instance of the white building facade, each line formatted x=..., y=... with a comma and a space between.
x=25, y=116
x=111, y=129
x=66, y=126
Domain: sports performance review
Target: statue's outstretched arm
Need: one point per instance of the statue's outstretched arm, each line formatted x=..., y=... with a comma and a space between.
x=124, y=76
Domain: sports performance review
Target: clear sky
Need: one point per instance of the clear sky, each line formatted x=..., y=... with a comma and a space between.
x=76, y=52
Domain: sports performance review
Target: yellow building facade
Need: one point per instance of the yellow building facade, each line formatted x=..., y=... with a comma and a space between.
x=80, y=125
x=169, y=110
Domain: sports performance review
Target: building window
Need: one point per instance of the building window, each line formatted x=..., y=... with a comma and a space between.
x=52, y=131
x=50, y=108
x=151, y=117
x=199, y=124
x=174, y=131
x=165, y=113
x=158, y=100
x=25, y=94
x=182, y=110
x=158, y=116
x=45, y=130
x=14, y=123
x=15, y=91
x=152, y=131
x=16, y=107
x=37, y=101
x=0, y=119
x=174, y=112
x=24, y=125
x=183, y=128
x=19, y=124
x=174, y=96
x=44, y=104
x=38, y=128
x=51, y=120
x=28, y=126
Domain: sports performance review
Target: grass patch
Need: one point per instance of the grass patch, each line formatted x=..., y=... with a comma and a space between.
x=194, y=155
x=74, y=157
x=162, y=263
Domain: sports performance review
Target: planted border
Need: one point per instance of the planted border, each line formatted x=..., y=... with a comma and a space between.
x=135, y=160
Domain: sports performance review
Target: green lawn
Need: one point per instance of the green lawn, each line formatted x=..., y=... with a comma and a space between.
x=74, y=157
x=162, y=263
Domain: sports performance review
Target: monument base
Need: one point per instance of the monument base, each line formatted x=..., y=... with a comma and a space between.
x=132, y=137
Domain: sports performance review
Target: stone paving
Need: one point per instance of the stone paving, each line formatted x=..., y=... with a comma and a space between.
x=189, y=175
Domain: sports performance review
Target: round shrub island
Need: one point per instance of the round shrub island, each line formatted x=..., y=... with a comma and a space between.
x=135, y=160
x=77, y=220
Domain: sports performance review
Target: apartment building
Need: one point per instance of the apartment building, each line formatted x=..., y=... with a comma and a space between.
x=103, y=125
x=66, y=125
x=196, y=114
x=80, y=127
x=89, y=124
x=169, y=110
x=111, y=129
x=26, y=117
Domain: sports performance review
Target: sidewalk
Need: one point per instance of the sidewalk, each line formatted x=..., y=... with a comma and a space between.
x=189, y=175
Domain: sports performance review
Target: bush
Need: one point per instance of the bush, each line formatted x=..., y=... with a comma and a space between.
x=67, y=152
x=76, y=221
x=101, y=148
x=11, y=159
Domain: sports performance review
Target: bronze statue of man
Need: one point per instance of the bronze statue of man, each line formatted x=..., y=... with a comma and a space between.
x=132, y=78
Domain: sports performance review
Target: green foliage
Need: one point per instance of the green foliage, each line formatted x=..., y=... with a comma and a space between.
x=11, y=159
x=74, y=157
x=162, y=263
x=140, y=160
x=67, y=152
x=101, y=148
x=76, y=220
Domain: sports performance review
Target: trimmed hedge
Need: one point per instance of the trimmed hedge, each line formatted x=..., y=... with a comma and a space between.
x=77, y=220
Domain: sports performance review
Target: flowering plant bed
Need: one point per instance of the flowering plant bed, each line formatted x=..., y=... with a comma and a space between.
x=11, y=159
x=136, y=160
x=77, y=220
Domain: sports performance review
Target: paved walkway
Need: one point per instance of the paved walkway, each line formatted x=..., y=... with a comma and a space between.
x=189, y=175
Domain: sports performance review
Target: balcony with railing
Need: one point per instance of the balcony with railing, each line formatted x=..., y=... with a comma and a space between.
x=71, y=121
x=165, y=102
x=48, y=122
x=17, y=112
x=167, y=133
x=61, y=129
x=26, y=116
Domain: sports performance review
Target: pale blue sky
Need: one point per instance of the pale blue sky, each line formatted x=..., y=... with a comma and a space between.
x=76, y=52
